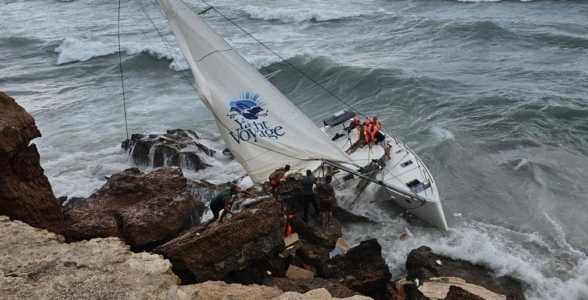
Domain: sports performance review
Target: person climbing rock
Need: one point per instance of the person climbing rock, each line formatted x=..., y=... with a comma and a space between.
x=223, y=201
x=276, y=178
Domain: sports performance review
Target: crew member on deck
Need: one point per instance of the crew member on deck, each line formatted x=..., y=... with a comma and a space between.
x=362, y=138
x=276, y=178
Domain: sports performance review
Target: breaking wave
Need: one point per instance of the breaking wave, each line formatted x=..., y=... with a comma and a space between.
x=76, y=49
x=293, y=15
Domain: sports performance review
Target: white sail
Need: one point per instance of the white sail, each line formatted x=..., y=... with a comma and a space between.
x=262, y=128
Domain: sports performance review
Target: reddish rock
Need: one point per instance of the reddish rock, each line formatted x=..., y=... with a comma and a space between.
x=335, y=288
x=25, y=192
x=142, y=209
x=362, y=268
x=177, y=147
x=421, y=263
x=213, y=252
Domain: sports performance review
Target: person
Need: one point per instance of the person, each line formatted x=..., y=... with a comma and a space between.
x=223, y=200
x=355, y=123
x=308, y=194
x=361, y=138
x=326, y=194
x=386, y=143
x=275, y=178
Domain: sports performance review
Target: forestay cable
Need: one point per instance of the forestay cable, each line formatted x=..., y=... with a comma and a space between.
x=122, y=80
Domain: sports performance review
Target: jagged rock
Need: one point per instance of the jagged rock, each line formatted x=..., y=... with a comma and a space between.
x=255, y=273
x=178, y=148
x=25, y=192
x=291, y=195
x=302, y=286
x=308, y=256
x=438, y=288
x=211, y=253
x=362, y=268
x=314, y=232
x=142, y=209
x=421, y=263
x=37, y=264
x=457, y=293
x=202, y=189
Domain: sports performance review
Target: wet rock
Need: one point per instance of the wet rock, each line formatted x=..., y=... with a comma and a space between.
x=362, y=268
x=457, y=293
x=179, y=148
x=255, y=273
x=214, y=251
x=291, y=195
x=25, y=192
x=202, y=189
x=421, y=263
x=314, y=232
x=144, y=210
x=335, y=288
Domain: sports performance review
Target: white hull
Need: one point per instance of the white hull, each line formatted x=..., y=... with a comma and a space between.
x=403, y=167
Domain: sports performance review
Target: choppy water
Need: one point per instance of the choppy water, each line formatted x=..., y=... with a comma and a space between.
x=491, y=95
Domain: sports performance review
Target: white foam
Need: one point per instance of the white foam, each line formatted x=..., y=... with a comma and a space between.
x=78, y=49
x=298, y=14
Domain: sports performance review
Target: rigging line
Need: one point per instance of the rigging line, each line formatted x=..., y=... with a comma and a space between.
x=122, y=80
x=181, y=71
x=286, y=61
x=365, y=187
x=166, y=42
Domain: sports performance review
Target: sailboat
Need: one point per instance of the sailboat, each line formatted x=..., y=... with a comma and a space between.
x=265, y=131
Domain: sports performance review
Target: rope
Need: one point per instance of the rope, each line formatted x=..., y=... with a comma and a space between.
x=122, y=81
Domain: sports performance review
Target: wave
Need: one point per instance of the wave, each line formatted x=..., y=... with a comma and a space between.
x=474, y=1
x=294, y=15
x=78, y=49
x=18, y=41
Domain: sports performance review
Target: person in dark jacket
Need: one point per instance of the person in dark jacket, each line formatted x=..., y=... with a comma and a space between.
x=308, y=193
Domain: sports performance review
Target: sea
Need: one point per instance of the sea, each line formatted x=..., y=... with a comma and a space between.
x=492, y=95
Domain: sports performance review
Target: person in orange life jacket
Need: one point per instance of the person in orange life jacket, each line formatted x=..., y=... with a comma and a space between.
x=361, y=139
x=276, y=178
x=355, y=123
x=288, y=229
x=308, y=194
x=326, y=193
x=374, y=126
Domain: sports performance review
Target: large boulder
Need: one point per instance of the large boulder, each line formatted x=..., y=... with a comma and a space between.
x=25, y=192
x=36, y=264
x=362, y=268
x=177, y=147
x=144, y=210
x=335, y=288
x=422, y=264
x=291, y=195
x=313, y=231
x=213, y=252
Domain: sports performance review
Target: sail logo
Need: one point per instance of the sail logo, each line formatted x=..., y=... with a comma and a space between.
x=246, y=109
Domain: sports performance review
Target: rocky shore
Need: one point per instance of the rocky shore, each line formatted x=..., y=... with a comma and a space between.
x=141, y=236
